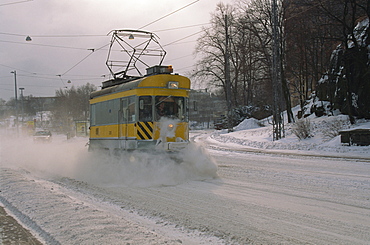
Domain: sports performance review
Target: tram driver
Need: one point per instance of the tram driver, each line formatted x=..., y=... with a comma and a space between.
x=166, y=107
x=161, y=110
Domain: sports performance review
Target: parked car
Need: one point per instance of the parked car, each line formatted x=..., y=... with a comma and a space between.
x=42, y=136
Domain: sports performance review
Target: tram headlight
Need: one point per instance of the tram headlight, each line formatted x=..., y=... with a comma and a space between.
x=173, y=85
x=170, y=126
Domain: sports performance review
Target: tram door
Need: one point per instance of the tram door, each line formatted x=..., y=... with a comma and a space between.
x=123, y=119
x=126, y=123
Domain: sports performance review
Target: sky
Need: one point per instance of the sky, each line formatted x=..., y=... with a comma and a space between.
x=64, y=32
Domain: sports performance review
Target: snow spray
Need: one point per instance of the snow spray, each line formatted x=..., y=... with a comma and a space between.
x=70, y=158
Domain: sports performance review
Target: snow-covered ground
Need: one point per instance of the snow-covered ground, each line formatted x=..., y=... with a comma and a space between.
x=249, y=134
x=53, y=190
x=264, y=191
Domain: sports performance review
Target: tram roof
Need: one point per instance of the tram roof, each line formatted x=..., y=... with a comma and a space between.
x=155, y=81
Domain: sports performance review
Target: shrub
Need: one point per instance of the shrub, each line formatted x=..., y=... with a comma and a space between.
x=302, y=128
x=333, y=128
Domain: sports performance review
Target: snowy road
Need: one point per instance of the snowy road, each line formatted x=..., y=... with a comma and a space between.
x=257, y=199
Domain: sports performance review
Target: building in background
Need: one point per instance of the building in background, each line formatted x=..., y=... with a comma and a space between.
x=205, y=109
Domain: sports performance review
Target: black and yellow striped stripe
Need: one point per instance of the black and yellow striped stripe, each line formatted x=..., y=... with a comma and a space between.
x=144, y=130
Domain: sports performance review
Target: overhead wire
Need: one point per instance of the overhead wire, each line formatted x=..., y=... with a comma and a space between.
x=182, y=38
x=54, y=36
x=11, y=3
x=186, y=67
x=90, y=35
x=38, y=76
x=60, y=76
x=181, y=27
x=43, y=45
x=7, y=89
x=94, y=35
x=307, y=9
x=43, y=86
x=14, y=68
x=11, y=34
x=180, y=57
x=46, y=76
x=93, y=50
x=169, y=14
x=56, y=46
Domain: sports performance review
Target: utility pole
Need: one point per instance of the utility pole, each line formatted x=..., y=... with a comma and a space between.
x=21, y=89
x=278, y=118
x=227, y=77
x=16, y=100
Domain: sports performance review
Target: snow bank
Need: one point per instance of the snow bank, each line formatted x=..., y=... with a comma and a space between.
x=248, y=134
x=249, y=123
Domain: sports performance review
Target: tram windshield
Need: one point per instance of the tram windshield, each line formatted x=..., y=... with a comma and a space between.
x=170, y=106
x=154, y=108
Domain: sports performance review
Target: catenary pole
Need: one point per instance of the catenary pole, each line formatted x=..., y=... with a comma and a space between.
x=277, y=121
x=227, y=77
x=16, y=101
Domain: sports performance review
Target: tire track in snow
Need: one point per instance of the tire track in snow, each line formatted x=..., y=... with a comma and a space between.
x=29, y=223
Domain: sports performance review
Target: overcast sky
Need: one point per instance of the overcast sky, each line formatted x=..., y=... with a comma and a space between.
x=63, y=31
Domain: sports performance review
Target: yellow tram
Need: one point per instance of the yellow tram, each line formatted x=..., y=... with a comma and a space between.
x=148, y=112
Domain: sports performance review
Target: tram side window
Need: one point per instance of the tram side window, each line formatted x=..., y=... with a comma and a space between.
x=145, y=109
x=186, y=109
x=104, y=113
x=99, y=113
x=124, y=110
x=182, y=108
x=114, y=111
x=131, y=109
x=110, y=112
x=93, y=115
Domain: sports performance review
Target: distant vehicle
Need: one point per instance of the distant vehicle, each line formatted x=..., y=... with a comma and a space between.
x=42, y=136
x=219, y=126
x=220, y=123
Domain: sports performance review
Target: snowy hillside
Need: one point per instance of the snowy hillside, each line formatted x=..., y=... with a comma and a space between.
x=252, y=133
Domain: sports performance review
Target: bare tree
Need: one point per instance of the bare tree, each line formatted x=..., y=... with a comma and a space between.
x=211, y=47
x=259, y=14
x=308, y=47
x=250, y=54
x=352, y=82
x=70, y=105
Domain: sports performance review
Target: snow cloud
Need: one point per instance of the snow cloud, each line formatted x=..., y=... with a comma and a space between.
x=70, y=158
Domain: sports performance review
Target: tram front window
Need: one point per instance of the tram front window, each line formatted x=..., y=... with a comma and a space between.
x=145, y=108
x=169, y=106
